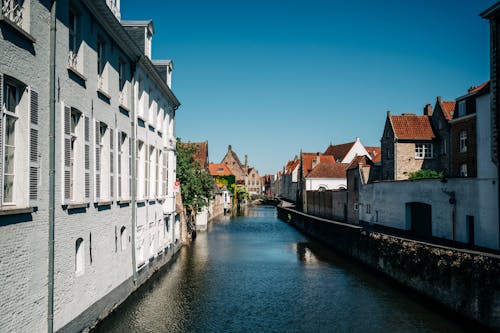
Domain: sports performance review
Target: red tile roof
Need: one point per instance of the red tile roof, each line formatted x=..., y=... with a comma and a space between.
x=410, y=126
x=291, y=165
x=200, y=152
x=375, y=153
x=308, y=158
x=360, y=160
x=339, y=151
x=473, y=90
x=328, y=170
x=219, y=170
x=448, y=108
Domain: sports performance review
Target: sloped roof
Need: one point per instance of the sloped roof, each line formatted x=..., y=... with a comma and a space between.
x=473, y=90
x=360, y=160
x=375, y=153
x=448, y=108
x=411, y=126
x=219, y=169
x=307, y=161
x=234, y=155
x=328, y=170
x=339, y=151
x=291, y=166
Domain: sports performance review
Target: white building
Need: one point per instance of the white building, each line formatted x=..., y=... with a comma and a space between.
x=91, y=213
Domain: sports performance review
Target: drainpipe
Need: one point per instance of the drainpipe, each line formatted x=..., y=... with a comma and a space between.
x=52, y=164
x=396, y=159
x=133, y=190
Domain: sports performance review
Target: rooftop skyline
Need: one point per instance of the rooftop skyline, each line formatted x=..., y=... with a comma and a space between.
x=274, y=77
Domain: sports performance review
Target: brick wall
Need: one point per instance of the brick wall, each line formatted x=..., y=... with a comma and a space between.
x=468, y=157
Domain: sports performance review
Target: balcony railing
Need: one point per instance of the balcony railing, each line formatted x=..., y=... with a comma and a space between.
x=72, y=60
x=13, y=10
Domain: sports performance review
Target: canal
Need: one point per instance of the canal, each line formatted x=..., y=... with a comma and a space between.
x=255, y=273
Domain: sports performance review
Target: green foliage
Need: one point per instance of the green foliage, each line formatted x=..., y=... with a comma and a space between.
x=226, y=181
x=196, y=183
x=425, y=174
x=240, y=194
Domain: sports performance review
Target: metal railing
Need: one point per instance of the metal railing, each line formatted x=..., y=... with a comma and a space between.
x=13, y=10
x=72, y=60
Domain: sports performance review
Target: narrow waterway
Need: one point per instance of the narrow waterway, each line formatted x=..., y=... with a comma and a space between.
x=255, y=273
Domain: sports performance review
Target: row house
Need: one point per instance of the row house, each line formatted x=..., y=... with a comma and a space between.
x=244, y=174
x=83, y=78
x=253, y=183
x=289, y=180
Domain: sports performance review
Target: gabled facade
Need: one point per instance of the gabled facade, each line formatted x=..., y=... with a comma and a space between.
x=222, y=175
x=345, y=153
x=231, y=160
x=408, y=145
x=440, y=119
x=254, y=184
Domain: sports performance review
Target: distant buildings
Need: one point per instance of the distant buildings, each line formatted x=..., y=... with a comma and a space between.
x=244, y=174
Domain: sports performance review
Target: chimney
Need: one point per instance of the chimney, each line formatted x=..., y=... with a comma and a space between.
x=438, y=99
x=246, y=161
x=428, y=110
x=315, y=160
x=229, y=148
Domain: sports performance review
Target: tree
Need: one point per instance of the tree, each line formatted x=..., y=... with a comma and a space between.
x=196, y=183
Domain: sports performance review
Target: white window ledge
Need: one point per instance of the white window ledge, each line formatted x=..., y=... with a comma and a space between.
x=104, y=203
x=77, y=73
x=24, y=33
x=104, y=93
x=15, y=210
x=75, y=205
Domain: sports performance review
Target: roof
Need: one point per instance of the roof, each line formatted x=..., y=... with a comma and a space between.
x=375, y=153
x=360, y=160
x=448, y=108
x=412, y=127
x=491, y=11
x=234, y=155
x=307, y=161
x=291, y=165
x=328, y=170
x=200, y=152
x=219, y=169
x=339, y=151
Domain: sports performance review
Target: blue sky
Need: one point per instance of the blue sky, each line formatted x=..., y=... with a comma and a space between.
x=274, y=77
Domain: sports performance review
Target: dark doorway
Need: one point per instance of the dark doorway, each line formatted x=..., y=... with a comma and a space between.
x=470, y=229
x=420, y=215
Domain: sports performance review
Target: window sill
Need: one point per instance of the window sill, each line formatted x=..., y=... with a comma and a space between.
x=17, y=28
x=140, y=200
x=77, y=73
x=76, y=205
x=15, y=210
x=125, y=201
x=104, y=93
x=124, y=108
x=104, y=203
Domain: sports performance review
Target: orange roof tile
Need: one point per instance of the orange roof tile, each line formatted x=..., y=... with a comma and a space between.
x=339, y=151
x=308, y=158
x=473, y=90
x=328, y=170
x=219, y=169
x=375, y=153
x=410, y=126
x=448, y=108
x=360, y=160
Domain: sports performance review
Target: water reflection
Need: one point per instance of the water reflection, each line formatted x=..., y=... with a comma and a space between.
x=255, y=273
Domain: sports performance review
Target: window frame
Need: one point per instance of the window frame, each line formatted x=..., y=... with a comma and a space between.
x=462, y=141
x=424, y=151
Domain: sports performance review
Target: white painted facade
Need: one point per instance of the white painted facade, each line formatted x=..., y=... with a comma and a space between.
x=106, y=102
x=357, y=149
x=314, y=184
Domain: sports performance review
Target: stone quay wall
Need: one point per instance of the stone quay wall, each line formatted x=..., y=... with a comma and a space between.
x=466, y=282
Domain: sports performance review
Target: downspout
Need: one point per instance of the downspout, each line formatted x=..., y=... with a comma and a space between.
x=396, y=159
x=133, y=190
x=52, y=164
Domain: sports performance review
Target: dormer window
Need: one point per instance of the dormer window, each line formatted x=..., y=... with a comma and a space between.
x=461, y=108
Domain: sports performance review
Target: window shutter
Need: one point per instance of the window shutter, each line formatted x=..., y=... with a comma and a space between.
x=146, y=178
x=165, y=174
x=34, y=163
x=1, y=138
x=130, y=168
x=111, y=164
x=97, y=137
x=67, y=155
x=119, y=171
x=87, y=159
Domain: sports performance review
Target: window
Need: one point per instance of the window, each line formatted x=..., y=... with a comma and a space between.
x=461, y=109
x=368, y=208
x=444, y=145
x=75, y=119
x=102, y=73
x=14, y=11
x=79, y=257
x=104, y=162
x=356, y=206
x=463, y=170
x=123, y=238
x=123, y=168
x=18, y=143
x=141, y=171
x=463, y=141
x=100, y=57
x=121, y=74
x=423, y=151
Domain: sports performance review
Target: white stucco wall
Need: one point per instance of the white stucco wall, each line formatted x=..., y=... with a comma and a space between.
x=475, y=197
x=313, y=184
x=357, y=149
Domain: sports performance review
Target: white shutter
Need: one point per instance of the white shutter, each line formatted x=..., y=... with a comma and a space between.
x=87, y=158
x=119, y=171
x=66, y=154
x=111, y=164
x=1, y=138
x=130, y=167
x=97, y=137
x=34, y=163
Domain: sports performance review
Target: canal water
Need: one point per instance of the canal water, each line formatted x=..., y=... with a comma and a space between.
x=255, y=273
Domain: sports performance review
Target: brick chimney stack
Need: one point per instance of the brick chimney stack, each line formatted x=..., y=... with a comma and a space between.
x=428, y=110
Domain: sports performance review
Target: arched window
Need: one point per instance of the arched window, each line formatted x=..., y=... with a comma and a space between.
x=123, y=238
x=79, y=257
